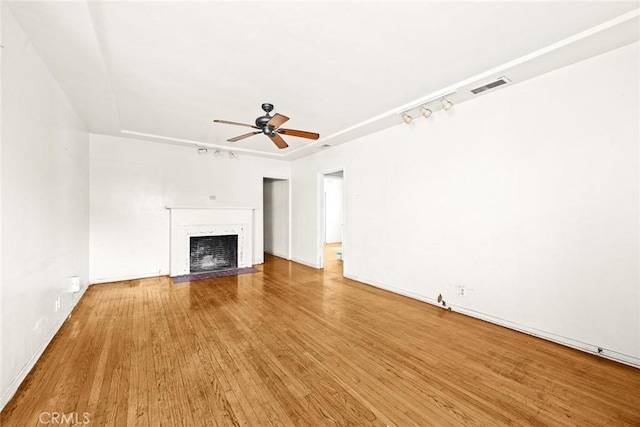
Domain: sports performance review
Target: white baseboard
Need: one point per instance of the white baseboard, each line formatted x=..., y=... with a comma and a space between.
x=308, y=264
x=15, y=383
x=279, y=255
x=131, y=277
x=549, y=336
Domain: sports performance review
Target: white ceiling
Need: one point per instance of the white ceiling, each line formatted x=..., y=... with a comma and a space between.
x=163, y=71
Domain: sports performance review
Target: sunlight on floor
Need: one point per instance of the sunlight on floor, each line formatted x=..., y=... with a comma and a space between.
x=333, y=262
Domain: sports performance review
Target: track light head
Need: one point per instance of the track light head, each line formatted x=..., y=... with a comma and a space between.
x=231, y=154
x=216, y=153
x=426, y=112
x=446, y=104
x=407, y=118
x=202, y=150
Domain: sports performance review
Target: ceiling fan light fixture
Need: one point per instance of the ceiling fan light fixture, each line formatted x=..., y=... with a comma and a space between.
x=446, y=104
x=407, y=118
x=426, y=112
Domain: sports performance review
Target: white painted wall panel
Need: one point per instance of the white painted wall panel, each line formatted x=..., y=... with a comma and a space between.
x=45, y=209
x=131, y=183
x=528, y=196
x=305, y=201
x=3, y=391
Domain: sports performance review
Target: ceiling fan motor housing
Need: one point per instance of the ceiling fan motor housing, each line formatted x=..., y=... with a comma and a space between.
x=263, y=120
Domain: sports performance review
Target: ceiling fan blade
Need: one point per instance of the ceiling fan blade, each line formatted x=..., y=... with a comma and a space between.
x=236, y=123
x=277, y=120
x=299, y=133
x=246, y=135
x=277, y=139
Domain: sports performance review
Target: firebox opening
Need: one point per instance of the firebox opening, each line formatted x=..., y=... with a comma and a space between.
x=211, y=253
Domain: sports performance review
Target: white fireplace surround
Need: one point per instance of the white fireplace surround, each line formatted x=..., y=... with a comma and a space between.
x=208, y=221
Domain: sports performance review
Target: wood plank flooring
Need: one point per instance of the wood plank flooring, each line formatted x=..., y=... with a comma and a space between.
x=294, y=346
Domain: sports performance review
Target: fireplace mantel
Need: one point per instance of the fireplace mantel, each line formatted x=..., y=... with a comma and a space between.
x=188, y=221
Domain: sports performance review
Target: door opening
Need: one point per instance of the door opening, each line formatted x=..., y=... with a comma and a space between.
x=332, y=212
x=275, y=204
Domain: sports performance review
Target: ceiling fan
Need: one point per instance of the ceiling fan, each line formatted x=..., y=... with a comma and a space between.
x=270, y=126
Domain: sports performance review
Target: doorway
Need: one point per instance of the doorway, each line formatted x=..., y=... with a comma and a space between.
x=332, y=224
x=275, y=202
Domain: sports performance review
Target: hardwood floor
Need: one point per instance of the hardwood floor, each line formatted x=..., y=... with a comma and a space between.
x=296, y=346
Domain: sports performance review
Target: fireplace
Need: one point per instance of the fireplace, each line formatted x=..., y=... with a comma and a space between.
x=212, y=253
x=206, y=239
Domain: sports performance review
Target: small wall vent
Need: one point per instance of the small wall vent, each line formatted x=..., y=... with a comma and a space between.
x=501, y=81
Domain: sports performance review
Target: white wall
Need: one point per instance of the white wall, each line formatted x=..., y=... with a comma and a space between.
x=276, y=217
x=2, y=387
x=528, y=196
x=131, y=183
x=333, y=208
x=45, y=210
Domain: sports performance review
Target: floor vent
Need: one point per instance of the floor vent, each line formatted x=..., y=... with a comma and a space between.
x=501, y=81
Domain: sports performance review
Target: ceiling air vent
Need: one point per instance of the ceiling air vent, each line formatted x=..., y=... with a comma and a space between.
x=501, y=81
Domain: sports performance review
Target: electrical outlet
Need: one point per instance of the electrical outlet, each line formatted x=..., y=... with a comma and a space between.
x=75, y=284
x=57, y=304
x=462, y=291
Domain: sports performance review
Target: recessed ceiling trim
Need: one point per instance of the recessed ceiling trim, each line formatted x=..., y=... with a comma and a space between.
x=491, y=73
x=431, y=97
x=555, y=46
x=201, y=143
x=116, y=67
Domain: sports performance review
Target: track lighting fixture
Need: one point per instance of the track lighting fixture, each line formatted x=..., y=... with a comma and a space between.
x=426, y=112
x=427, y=106
x=446, y=104
x=216, y=152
